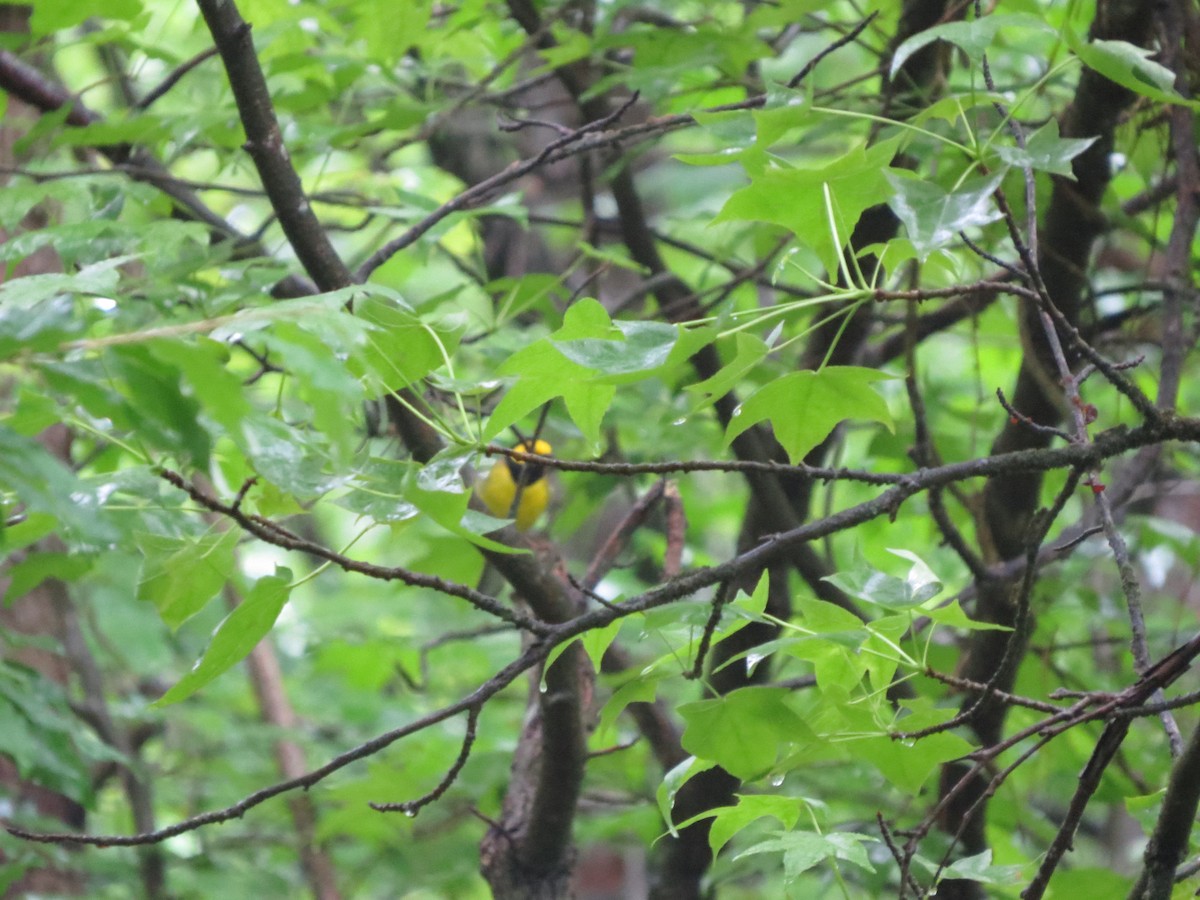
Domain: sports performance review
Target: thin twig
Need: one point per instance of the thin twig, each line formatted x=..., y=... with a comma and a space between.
x=412, y=807
x=274, y=533
x=532, y=656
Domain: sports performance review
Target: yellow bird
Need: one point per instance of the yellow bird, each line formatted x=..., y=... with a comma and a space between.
x=499, y=489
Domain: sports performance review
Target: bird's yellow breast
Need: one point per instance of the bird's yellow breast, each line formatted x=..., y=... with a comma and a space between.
x=499, y=489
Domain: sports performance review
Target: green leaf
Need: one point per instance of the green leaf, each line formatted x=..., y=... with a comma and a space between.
x=323, y=382
x=673, y=782
x=828, y=619
x=323, y=314
x=157, y=408
x=88, y=385
x=869, y=584
x=750, y=351
x=544, y=373
x=745, y=609
x=434, y=496
x=837, y=663
x=909, y=764
x=97, y=280
x=202, y=363
x=437, y=490
x=37, y=567
x=734, y=133
x=1130, y=66
x=803, y=849
x=952, y=615
x=46, y=486
x=932, y=217
x=597, y=641
x=33, y=412
x=804, y=407
x=586, y=318
x=644, y=346
x=750, y=605
x=729, y=820
x=980, y=868
x=874, y=587
x=642, y=688
x=287, y=457
x=56, y=15
x=401, y=348
x=742, y=731
x=925, y=585
x=879, y=652
x=613, y=257
x=973, y=38
x=180, y=575
x=119, y=128
x=390, y=31
x=785, y=111
x=377, y=492
x=954, y=107
x=795, y=198
x=37, y=326
x=1046, y=151
x=29, y=529
x=38, y=732
x=236, y=636
x=534, y=289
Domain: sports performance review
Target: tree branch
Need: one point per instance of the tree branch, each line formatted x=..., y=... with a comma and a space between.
x=264, y=142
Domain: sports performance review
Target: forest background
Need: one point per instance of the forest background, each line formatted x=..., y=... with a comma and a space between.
x=862, y=332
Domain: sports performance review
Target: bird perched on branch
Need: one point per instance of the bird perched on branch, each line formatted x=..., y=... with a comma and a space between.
x=518, y=489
